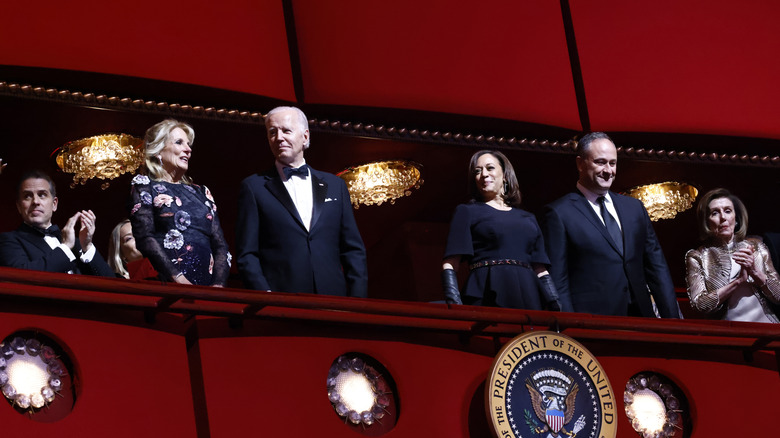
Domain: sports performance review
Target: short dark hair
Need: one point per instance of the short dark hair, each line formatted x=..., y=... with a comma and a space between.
x=36, y=174
x=512, y=195
x=703, y=211
x=584, y=144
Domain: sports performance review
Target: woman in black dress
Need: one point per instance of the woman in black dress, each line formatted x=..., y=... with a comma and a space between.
x=502, y=244
x=175, y=222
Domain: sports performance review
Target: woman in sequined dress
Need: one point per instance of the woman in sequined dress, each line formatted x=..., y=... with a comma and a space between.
x=730, y=273
x=175, y=222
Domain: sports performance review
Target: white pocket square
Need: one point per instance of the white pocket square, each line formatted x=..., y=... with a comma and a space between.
x=329, y=199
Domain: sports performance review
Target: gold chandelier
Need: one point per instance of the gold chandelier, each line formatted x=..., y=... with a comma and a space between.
x=102, y=156
x=381, y=181
x=664, y=200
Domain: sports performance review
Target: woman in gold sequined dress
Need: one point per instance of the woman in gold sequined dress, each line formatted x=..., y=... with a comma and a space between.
x=730, y=274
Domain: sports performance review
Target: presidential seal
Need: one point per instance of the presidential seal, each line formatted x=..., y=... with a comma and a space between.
x=547, y=385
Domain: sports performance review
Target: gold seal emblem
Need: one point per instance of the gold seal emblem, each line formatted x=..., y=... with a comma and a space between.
x=545, y=384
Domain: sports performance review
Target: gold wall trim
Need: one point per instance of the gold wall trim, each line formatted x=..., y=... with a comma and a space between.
x=482, y=141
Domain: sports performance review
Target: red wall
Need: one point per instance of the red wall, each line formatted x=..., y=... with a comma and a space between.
x=145, y=372
x=134, y=380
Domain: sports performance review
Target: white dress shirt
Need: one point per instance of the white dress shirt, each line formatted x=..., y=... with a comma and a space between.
x=55, y=243
x=300, y=190
x=594, y=204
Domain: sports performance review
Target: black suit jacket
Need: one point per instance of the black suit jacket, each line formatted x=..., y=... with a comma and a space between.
x=25, y=248
x=591, y=275
x=276, y=252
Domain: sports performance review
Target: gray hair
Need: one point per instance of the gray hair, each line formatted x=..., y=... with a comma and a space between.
x=302, y=120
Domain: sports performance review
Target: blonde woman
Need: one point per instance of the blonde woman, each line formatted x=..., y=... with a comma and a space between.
x=122, y=250
x=174, y=221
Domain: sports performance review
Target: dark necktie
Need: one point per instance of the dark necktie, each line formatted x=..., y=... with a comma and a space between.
x=612, y=226
x=302, y=171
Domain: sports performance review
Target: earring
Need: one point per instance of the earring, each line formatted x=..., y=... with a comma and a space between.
x=159, y=158
x=506, y=187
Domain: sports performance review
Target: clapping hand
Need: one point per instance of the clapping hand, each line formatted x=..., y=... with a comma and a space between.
x=745, y=258
x=87, y=228
x=68, y=231
x=2, y=165
x=87, y=220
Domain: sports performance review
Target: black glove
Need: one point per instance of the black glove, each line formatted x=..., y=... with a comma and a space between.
x=449, y=283
x=549, y=293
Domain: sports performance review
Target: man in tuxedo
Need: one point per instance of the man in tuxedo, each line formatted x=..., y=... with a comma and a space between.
x=41, y=246
x=605, y=257
x=295, y=230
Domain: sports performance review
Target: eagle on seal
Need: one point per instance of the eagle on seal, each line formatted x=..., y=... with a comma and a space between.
x=544, y=404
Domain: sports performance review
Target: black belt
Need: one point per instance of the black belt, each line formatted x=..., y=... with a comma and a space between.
x=484, y=263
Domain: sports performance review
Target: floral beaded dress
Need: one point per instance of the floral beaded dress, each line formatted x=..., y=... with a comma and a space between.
x=481, y=233
x=176, y=226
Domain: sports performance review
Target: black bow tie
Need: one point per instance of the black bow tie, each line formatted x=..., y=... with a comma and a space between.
x=302, y=171
x=52, y=231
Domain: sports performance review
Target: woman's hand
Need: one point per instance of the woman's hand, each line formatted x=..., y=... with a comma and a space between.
x=745, y=258
x=181, y=279
x=725, y=292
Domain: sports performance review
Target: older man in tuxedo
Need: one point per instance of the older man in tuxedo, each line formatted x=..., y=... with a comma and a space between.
x=604, y=254
x=41, y=246
x=295, y=230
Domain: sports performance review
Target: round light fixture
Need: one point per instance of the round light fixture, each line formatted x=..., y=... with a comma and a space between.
x=381, y=181
x=30, y=373
x=103, y=156
x=653, y=405
x=358, y=391
x=664, y=200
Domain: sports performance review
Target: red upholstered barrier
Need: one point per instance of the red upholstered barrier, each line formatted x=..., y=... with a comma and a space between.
x=160, y=360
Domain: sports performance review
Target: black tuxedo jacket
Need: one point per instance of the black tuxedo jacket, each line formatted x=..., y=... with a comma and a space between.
x=25, y=248
x=277, y=253
x=589, y=272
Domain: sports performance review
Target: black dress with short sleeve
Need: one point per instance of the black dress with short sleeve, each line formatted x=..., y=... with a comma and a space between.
x=176, y=226
x=478, y=233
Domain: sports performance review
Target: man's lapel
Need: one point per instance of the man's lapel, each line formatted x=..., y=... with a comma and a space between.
x=320, y=190
x=627, y=225
x=581, y=203
x=34, y=238
x=276, y=187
